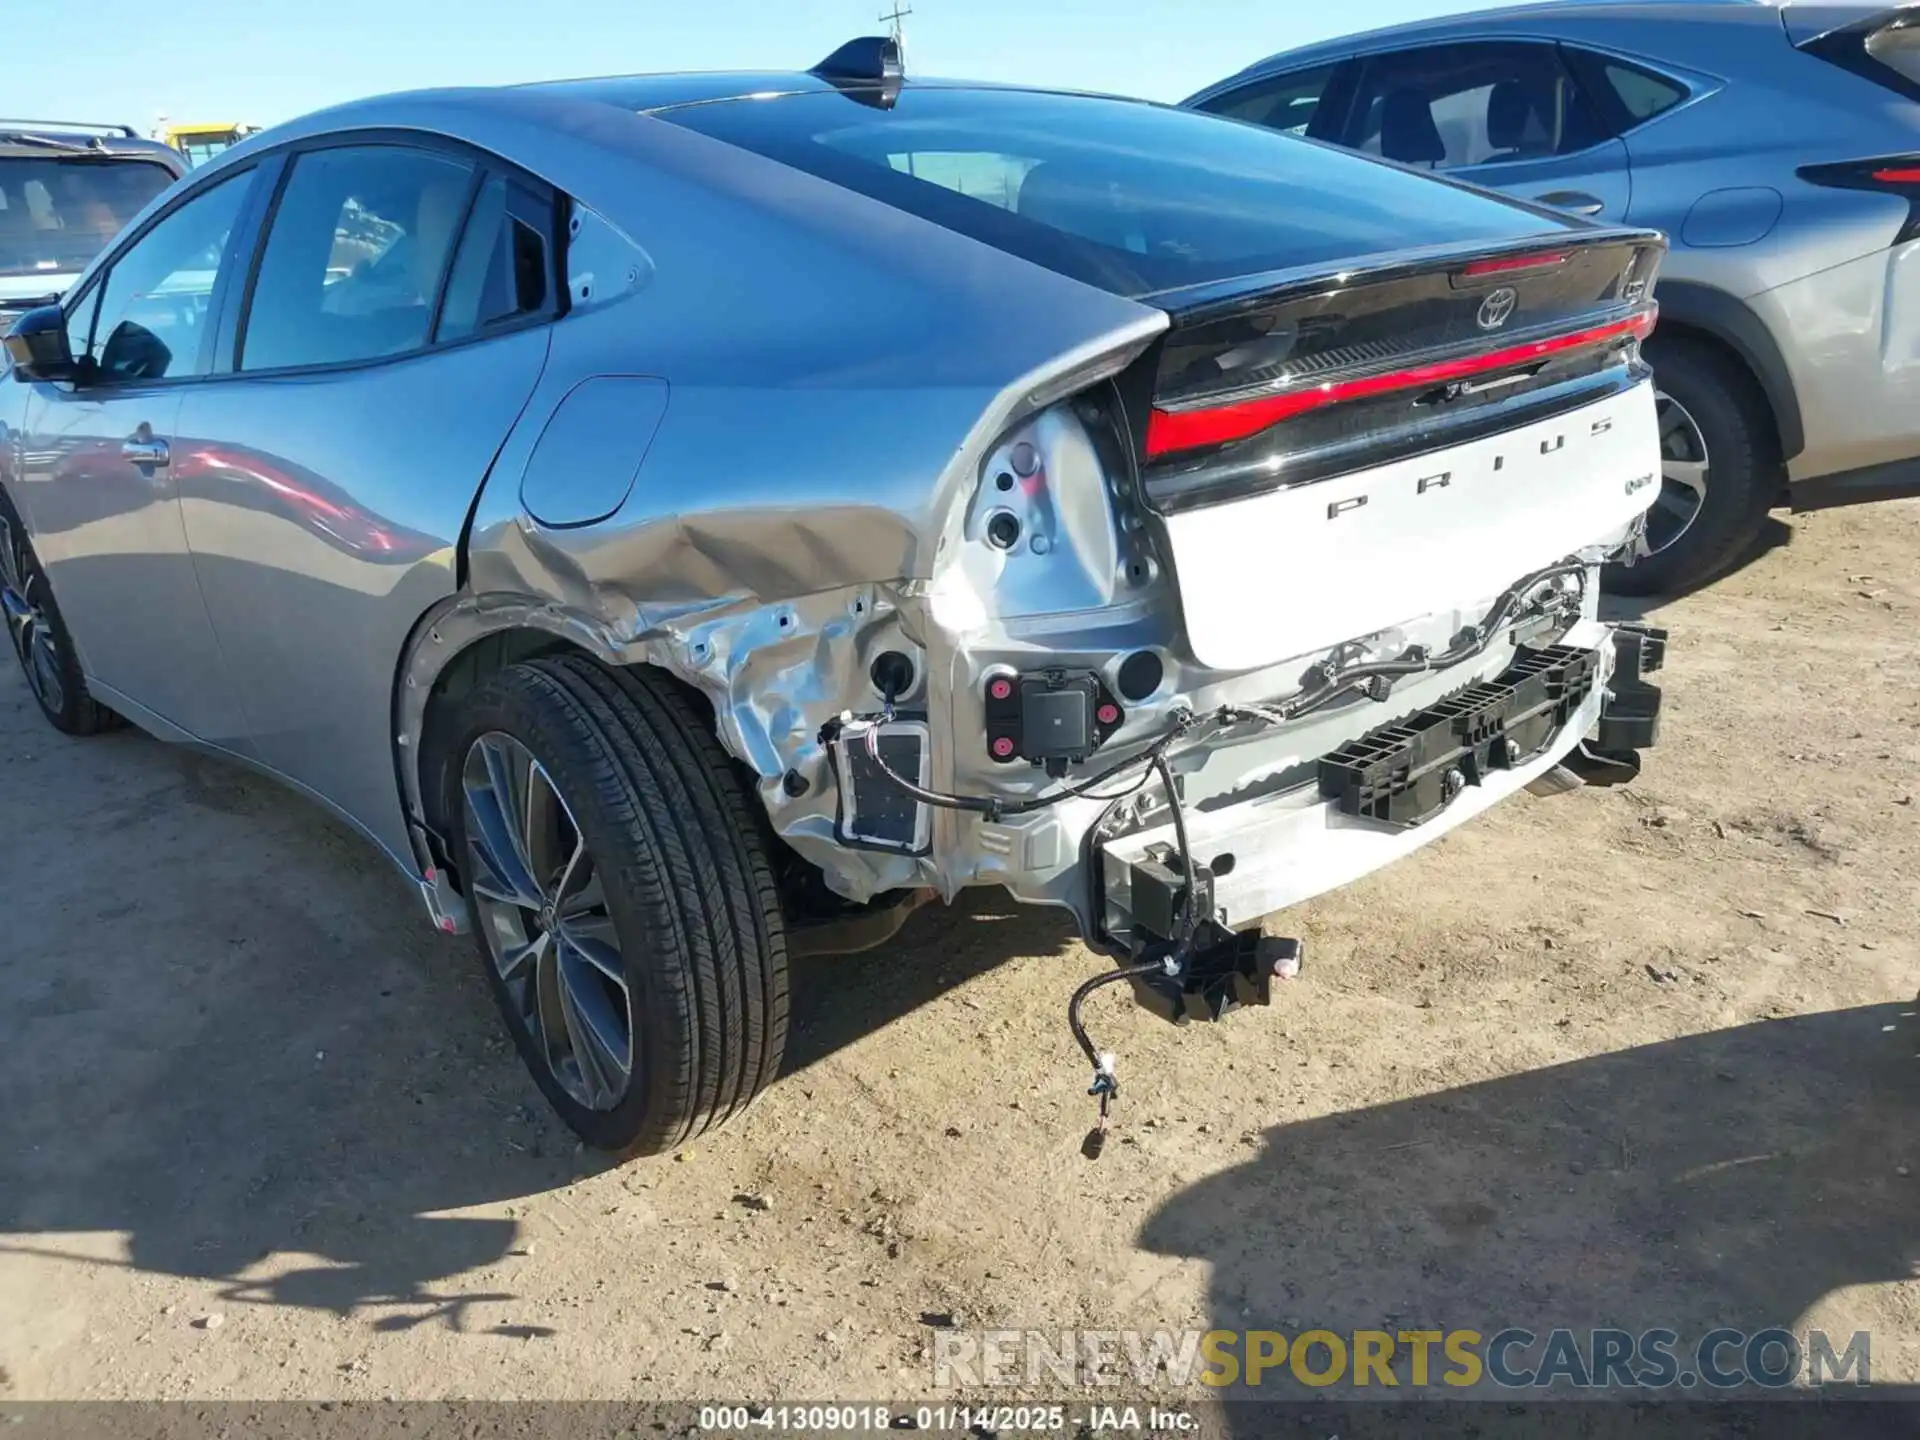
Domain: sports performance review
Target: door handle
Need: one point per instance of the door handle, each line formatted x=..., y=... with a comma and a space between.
x=145, y=452
x=1577, y=201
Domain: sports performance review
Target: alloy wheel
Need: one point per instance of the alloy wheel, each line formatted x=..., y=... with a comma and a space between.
x=545, y=921
x=1683, y=477
x=33, y=638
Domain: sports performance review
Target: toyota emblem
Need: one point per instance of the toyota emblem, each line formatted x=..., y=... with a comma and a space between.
x=1495, y=309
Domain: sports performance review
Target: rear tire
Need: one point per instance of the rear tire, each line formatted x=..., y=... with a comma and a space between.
x=40, y=639
x=684, y=930
x=1705, y=392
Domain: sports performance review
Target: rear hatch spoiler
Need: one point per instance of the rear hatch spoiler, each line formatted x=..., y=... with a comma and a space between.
x=1270, y=382
x=1334, y=454
x=1810, y=22
x=1880, y=43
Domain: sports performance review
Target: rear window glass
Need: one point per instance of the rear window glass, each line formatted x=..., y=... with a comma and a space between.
x=1898, y=48
x=57, y=214
x=1128, y=196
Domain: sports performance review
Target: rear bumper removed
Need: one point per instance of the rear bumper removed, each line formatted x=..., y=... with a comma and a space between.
x=1395, y=789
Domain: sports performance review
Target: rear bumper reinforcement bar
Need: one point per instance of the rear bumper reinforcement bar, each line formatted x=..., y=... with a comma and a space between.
x=1395, y=789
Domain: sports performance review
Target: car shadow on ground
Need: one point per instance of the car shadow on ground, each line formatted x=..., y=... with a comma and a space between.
x=1775, y=534
x=839, y=998
x=1733, y=1178
x=233, y=1039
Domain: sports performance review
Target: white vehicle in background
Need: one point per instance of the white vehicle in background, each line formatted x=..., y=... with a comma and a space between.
x=66, y=190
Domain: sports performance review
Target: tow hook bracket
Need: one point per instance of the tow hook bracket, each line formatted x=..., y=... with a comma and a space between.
x=1160, y=892
x=1231, y=974
x=1591, y=767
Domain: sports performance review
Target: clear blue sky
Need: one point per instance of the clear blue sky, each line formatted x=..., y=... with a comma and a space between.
x=269, y=60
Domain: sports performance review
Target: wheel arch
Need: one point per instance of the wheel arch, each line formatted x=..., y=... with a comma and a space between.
x=456, y=647
x=1705, y=315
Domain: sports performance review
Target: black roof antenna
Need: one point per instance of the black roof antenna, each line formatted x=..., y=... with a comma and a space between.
x=869, y=70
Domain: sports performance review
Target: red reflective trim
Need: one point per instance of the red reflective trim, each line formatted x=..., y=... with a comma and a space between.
x=1906, y=175
x=1169, y=431
x=1504, y=263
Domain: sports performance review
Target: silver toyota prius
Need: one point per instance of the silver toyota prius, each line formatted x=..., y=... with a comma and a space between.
x=686, y=520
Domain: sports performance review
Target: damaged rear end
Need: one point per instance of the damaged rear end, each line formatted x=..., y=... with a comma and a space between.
x=1265, y=593
x=1381, y=496
x=1285, y=565
x=1308, y=583
x=1150, y=515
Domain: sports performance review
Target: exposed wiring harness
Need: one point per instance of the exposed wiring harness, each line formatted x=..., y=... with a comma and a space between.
x=1106, y=1079
x=1330, y=684
x=995, y=807
x=1376, y=677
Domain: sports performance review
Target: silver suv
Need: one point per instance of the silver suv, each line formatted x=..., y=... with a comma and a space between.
x=1778, y=148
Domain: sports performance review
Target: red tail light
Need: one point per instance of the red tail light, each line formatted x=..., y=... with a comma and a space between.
x=1888, y=175
x=1506, y=264
x=1171, y=431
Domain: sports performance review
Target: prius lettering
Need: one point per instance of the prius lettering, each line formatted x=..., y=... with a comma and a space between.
x=1427, y=484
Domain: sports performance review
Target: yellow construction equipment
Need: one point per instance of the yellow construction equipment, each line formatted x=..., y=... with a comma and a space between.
x=200, y=143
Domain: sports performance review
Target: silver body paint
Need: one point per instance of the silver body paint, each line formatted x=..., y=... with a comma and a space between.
x=755, y=454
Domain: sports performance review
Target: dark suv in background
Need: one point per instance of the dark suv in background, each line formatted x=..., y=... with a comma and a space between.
x=1779, y=149
x=65, y=190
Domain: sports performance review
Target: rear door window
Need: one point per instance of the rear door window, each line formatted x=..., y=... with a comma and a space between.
x=504, y=270
x=355, y=256
x=1446, y=107
x=1122, y=194
x=56, y=214
x=1288, y=103
x=1897, y=46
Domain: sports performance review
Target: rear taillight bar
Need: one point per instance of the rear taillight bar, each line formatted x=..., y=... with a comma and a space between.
x=1868, y=174
x=1896, y=175
x=1172, y=431
x=1506, y=264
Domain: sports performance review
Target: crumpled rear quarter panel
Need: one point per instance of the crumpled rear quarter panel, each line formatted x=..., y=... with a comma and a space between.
x=835, y=370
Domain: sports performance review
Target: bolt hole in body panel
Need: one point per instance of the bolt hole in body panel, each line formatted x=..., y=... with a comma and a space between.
x=1140, y=675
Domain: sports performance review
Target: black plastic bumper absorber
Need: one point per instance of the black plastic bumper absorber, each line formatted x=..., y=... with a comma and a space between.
x=1406, y=772
x=1631, y=719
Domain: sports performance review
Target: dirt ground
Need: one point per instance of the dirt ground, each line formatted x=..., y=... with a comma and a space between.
x=1635, y=1057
